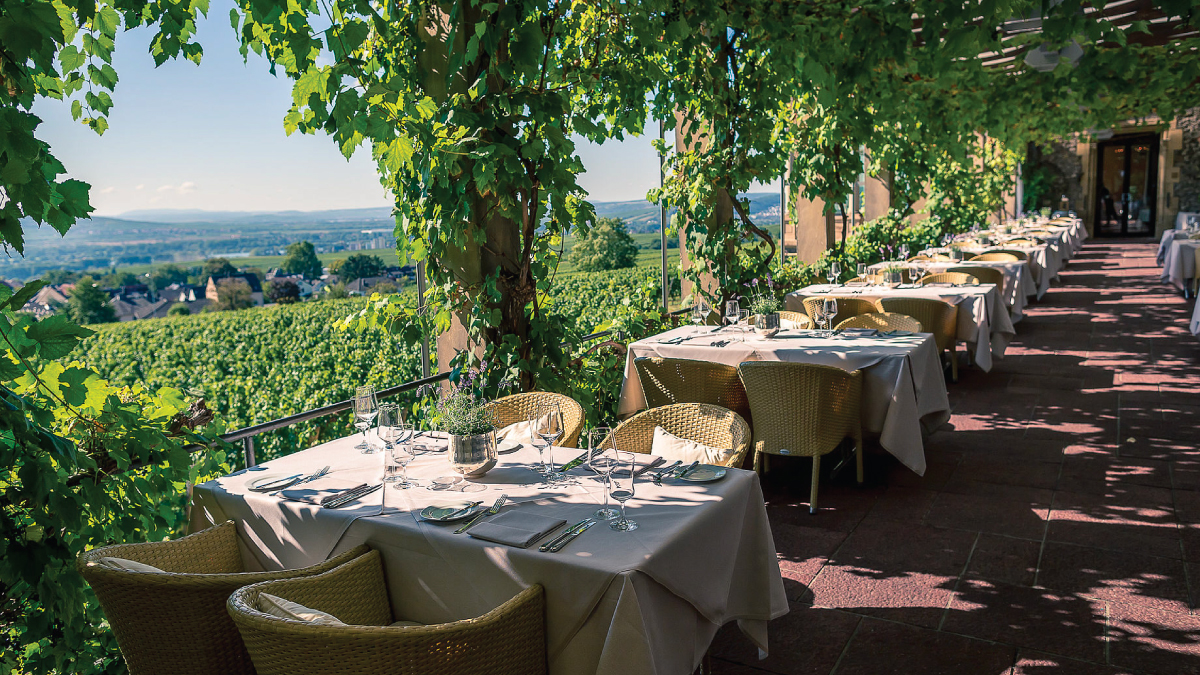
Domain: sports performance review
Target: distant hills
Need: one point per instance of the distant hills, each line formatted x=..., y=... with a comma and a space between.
x=258, y=217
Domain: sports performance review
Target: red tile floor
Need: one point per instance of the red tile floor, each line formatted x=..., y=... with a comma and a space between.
x=1057, y=529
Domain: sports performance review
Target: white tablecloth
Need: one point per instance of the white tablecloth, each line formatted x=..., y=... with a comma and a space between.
x=1164, y=243
x=904, y=391
x=983, y=322
x=647, y=601
x=1018, y=280
x=1179, y=265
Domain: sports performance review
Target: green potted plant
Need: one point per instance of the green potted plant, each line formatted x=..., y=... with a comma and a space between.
x=472, y=430
x=893, y=275
x=765, y=308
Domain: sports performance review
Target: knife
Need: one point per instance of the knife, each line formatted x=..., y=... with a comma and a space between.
x=464, y=509
x=573, y=463
x=353, y=497
x=566, y=533
x=570, y=537
x=274, y=485
x=691, y=466
x=716, y=329
x=490, y=512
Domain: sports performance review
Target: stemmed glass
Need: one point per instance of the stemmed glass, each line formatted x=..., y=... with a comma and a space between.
x=829, y=310
x=549, y=428
x=903, y=252
x=601, y=462
x=387, y=424
x=861, y=271
x=744, y=322
x=621, y=486
x=732, y=312
x=834, y=272
x=366, y=407
x=399, y=454
x=699, y=314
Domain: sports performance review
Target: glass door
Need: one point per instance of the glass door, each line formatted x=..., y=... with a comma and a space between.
x=1127, y=186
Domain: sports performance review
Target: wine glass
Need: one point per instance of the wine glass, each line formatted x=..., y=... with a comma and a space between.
x=386, y=425
x=398, y=457
x=743, y=323
x=549, y=428
x=366, y=407
x=732, y=312
x=621, y=486
x=602, y=461
x=834, y=272
x=829, y=309
x=699, y=314
x=903, y=252
x=861, y=271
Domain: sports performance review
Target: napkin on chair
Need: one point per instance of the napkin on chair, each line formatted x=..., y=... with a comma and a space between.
x=516, y=528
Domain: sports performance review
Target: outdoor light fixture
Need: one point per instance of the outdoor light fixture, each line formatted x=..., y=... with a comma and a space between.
x=1043, y=59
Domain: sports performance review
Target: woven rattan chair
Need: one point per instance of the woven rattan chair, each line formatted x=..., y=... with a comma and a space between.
x=518, y=407
x=509, y=640
x=936, y=316
x=884, y=321
x=806, y=410
x=956, y=278
x=985, y=275
x=799, y=320
x=995, y=256
x=847, y=307
x=1019, y=255
x=670, y=381
x=930, y=258
x=175, y=622
x=709, y=425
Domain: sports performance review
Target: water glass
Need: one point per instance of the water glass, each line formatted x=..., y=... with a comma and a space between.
x=732, y=312
x=621, y=484
x=834, y=272
x=548, y=427
x=699, y=314
x=366, y=408
x=602, y=461
x=861, y=270
x=398, y=455
x=387, y=424
x=829, y=309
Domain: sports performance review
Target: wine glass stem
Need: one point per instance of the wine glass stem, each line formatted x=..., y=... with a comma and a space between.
x=623, y=518
x=607, y=487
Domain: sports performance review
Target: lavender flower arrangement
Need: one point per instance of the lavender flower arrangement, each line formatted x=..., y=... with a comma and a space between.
x=763, y=300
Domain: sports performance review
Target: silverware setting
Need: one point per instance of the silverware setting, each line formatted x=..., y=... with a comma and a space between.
x=718, y=343
x=570, y=537
x=490, y=512
x=351, y=495
x=307, y=479
x=455, y=514
x=659, y=476
x=555, y=545
x=691, y=467
x=278, y=484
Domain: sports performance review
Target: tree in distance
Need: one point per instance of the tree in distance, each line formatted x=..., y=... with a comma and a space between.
x=179, y=309
x=337, y=292
x=384, y=288
x=119, y=280
x=165, y=276
x=56, y=277
x=607, y=246
x=360, y=266
x=233, y=294
x=301, y=258
x=283, y=292
x=88, y=304
x=218, y=267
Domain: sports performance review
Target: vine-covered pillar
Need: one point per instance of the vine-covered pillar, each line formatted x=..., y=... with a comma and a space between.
x=722, y=211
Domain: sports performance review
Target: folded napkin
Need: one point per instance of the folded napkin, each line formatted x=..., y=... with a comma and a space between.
x=516, y=528
x=860, y=332
x=320, y=494
x=644, y=463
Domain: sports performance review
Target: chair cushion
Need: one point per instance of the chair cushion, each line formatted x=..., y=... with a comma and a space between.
x=521, y=432
x=671, y=448
x=286, y=609
x=126, y=565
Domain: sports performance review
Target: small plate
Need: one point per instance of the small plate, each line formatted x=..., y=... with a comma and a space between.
x=898, y=333
x=505, y=447
x=264, y=483
x=705, y=473
x=438, y=512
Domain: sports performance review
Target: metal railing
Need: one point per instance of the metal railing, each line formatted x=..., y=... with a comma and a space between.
x=247, y=434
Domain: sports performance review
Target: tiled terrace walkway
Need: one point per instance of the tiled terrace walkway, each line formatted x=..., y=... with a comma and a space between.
x=1057, y=529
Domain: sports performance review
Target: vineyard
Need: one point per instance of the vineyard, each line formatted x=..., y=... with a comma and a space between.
x=260, y=364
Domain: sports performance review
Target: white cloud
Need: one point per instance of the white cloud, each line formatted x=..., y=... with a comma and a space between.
x=166, y=188
x=140, y=186
x=186, y=187
x=106, y=190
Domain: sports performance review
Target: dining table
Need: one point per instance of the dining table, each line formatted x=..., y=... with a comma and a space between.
x=983, y=320
x=643, y=601
x=1179, y=263
x=1046, y=258
x=1165, y=240
x=903, y=394
x=1018, y=287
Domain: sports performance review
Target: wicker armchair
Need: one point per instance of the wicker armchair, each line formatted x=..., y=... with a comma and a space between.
x=670, y=381
x=869, y=279
x=803, y=409
x=884, y=321
x=1019, y=255
x=936, y=316
x=518, y=407
x=957, y=278
x=510, y=639
x=799, y=320
x=847, y=307
x=175, y=622
x=995, y=256
x=709, y=425
x=985, y=275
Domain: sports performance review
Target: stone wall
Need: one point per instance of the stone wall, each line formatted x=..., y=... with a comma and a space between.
x=1187, y=190
x=1061, y=161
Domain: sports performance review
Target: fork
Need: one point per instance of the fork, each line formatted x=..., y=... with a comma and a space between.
x=658, y=477
x=302, y=481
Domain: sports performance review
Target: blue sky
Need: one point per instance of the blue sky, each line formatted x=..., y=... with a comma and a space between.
x=211, y=137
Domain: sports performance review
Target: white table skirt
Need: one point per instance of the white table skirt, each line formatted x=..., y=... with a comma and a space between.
x=1164, y=243
x=1196, y=319
x=904, y=390
x=983, y=322
x=1179, y=265
x=1018, y=280
x=647, y=601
